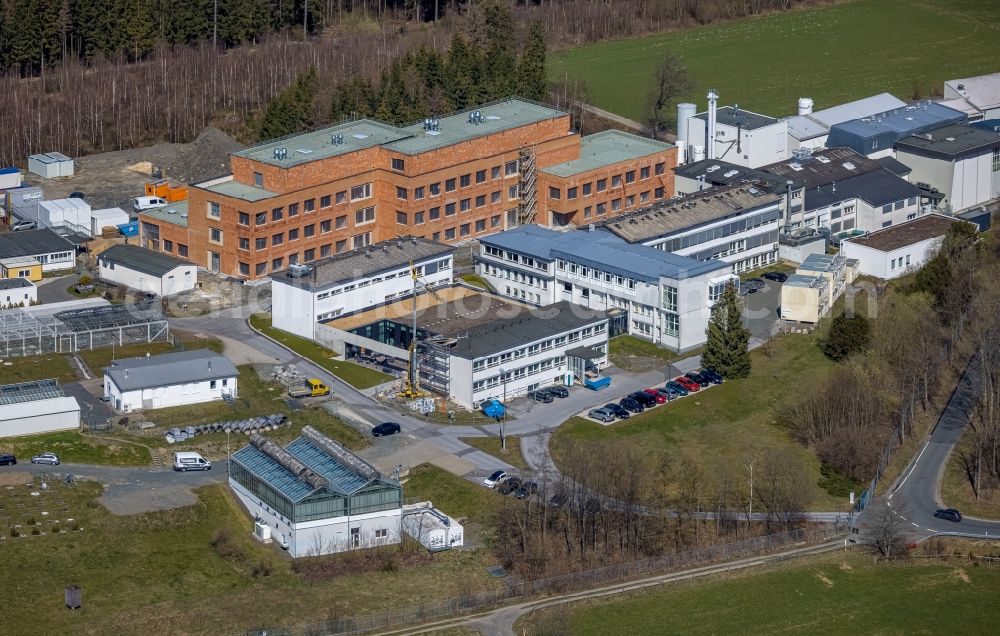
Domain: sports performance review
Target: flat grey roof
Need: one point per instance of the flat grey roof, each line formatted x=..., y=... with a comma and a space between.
x=15, y=283
x=238, y=190
x=606, y=148
x=175, y=213
x=717, y=172
x=316, y=145
x=802, y=280
x=141, y=260
x=919, y=229
x=823, y=167
x=952, y=141
x=733, y=116
x=529, y=326
x=878, y=187
x=603, y=250
x=689, y=212
x=182, y=367
x=32, y=243
x=818, y=262
x=30, y=391
x=364, y=262
x=818, y=123
x=982, y=91
x=899, y=121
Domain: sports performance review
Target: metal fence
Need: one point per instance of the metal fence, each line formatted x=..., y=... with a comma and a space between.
x=456, y=605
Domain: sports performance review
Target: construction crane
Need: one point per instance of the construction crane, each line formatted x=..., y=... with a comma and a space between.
x=411, y=388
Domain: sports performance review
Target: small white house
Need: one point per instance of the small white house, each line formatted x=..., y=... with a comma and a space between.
x=354, y=281
x=109, y=217
x=432, y=528
x=171, y=379
x=30, y=408
x=146, y=271
x=17, y=292
x=900, y=249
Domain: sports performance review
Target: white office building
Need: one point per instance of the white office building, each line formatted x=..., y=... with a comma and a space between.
x=170, y=379
x=650, y=293
x=314, y=496
x=147, y=271
x=898, y=250
x=305, y=295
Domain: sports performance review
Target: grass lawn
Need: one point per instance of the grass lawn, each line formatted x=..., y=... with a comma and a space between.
x=780, y=266
x=256, y=397
x=475, y=280
x=158, y=573
x=354, y=374
x=97, y=359
x=957, y=491
x=491, y=445
x=634, y=354
x=74, y=448
x=42, y=367
x=833, y=54
x=725, y=420
x=458, y=497
x=832, y=594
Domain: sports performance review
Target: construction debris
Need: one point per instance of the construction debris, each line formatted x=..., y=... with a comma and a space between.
x=247, y=427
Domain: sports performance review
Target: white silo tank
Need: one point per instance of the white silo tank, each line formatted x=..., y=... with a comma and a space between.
x=685, y=112
x=805, y=105
x=697, y=153
x=681, y=152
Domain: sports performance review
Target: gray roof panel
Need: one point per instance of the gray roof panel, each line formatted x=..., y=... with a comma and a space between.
x=141, y=260
x=182, y=367
x=32, y=243
x=733, y=116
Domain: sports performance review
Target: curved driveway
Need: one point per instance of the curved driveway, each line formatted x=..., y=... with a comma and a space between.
x=919, y=487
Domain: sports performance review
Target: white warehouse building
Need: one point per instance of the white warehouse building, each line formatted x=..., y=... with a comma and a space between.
x=735, y=135
x=147, y=271
x=30, y=408
x=315, y=496
x=170, y=379
x=647, y=292
x=305, y=295
x=900, y=249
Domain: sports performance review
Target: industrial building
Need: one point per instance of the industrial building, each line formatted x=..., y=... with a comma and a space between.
x=314, y=496
x=818, y=282
x=450, y=179
x=52, y=252
x=65, y=215
x=979, y=96
x=30, y=408
x=472, y=347
x=17, y=292
x=169, y=379
x=51, y=165
x=810, y=129
x=875, y=136
x=304, y=295
x=960, y=162
x=736, y=224
x=649, y=293
x=730, y=133
x=900, y=249
x=146, y=271
x=432, y=528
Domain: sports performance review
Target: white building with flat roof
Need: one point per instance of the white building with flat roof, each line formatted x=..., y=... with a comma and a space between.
x=742, y=137
x=981, y=93
x=898, y=250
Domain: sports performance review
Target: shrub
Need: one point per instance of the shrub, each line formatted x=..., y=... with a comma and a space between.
x=226, y=544
x=31, y=521
x=36, y=531
x=847, y=336
x=14, y=532
x=76, y=527
x=85, y=280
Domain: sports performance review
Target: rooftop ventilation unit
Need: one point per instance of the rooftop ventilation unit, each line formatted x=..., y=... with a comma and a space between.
x=731, y=174
x=337, y=139
x=712, y=168
x=431, y=124
x=476, y=117
x=823, y=159
x=795, y=166
x=280, y=153
x=849, y=166
x=297, y=270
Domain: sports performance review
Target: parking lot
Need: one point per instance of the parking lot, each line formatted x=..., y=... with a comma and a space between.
x=623, y=410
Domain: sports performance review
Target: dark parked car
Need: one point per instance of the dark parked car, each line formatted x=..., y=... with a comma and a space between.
x=619, y=411
x=7, y=459
x=949, y=514
x=76, y=194
x=677, y=388
x=386, y=428
x=647, y=400
x=776, y=276
x=630, y=405
x=557, y=391
x=756, y=283
x=509, y=486
x=527, y=489
x=698, y=379
x=712, y=375
x=540, y=396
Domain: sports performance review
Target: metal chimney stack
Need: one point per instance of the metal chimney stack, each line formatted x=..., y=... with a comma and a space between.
x=713, y=104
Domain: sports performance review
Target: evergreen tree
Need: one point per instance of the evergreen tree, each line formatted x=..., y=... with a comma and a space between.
x=727, y=338
x=847, y=336
x=291, y=111
x=500, y=54
x=459, y=75
x=531, y=70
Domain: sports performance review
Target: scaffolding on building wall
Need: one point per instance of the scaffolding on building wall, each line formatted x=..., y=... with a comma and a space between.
x=434, y=364
x=22, y=333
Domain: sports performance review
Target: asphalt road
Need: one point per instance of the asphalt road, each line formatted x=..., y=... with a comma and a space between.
x=917, y=494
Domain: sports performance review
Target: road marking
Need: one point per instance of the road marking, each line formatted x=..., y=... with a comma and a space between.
x=915, y=523
x=912, y=468
x=929, y=529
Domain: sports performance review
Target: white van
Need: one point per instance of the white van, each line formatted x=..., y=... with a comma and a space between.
x=185, y=461
x=144, y=203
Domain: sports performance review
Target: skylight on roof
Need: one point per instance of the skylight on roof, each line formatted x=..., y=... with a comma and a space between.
x=359, y=136
x=433, y=132
x=304, y=151
x=849, y=166
x=823, y=159
x=731, y=173
x=711, y=168
x=492, y=117
x=795, y=166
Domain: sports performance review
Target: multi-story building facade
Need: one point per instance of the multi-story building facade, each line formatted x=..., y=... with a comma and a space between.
x=647, y=292
x=453, y=179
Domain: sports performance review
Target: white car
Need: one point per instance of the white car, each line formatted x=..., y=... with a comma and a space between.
x=496, y=478
x=46, y=458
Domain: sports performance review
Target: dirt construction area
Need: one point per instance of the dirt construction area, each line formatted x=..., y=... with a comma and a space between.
x=113, y=179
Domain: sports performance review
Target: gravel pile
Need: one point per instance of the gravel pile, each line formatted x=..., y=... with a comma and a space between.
x=204, y=158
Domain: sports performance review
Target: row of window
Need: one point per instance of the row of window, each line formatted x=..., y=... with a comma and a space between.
x=514, y=257
x=430, y=268
x=538, y=347
x=898, y=263
x=260, y=269
x=522, y=294
x=356, y=193
x=182, y=249
x=510, y=169
x=600, y=209
x=450, y=209
x=519, y=373
x=580, y=271
x=362, y=216
x=517, y=277
x=898, y=205
x=588, y=188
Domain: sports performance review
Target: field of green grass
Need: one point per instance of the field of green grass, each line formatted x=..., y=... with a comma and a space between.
x=491, y=445
x=835, y=594
x=635, y=354
x=43, y=367
x=159, y=573
x=354, y=374
x=833, y=54
x=75, y=448
x=459, y=497
x=97, y=359
x=726, y=420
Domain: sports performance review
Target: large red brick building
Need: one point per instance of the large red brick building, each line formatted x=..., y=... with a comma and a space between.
x=452, y=179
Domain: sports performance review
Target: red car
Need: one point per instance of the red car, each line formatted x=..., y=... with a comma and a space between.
x=660, y=399
x=687, y=383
